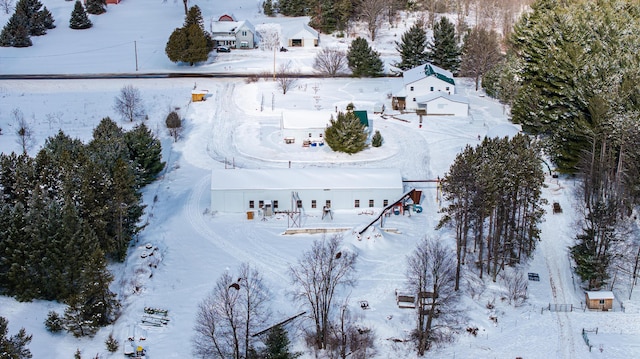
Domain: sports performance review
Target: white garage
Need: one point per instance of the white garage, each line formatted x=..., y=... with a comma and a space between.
x=309, y=189
x=444, y=104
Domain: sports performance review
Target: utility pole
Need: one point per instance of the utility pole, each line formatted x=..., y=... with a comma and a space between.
x=135, y=50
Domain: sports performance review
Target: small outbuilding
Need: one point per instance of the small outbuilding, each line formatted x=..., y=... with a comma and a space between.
x=599, y=300
x=199, y=95
x=303, y=36
x=305, y=127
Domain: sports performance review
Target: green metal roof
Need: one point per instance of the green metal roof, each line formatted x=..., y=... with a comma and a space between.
x=362, y=115
x=428, y=70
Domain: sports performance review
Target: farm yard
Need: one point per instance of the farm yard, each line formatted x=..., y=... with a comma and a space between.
x=236, y=123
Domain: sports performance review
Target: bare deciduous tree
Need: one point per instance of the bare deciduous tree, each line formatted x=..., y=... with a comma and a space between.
x=372, y=13
x=6, y=6
x=317, y=276
x=349, y=339
x=431, y=272
x=23, y=130
x=330, y=62
x=226, y=318
x=516, y=286
x=129, y=104
x=480, y=53
x=286, y=77
x=269, y=36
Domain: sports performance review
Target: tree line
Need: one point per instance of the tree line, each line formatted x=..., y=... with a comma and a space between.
x=571, y=78
x=68, y=210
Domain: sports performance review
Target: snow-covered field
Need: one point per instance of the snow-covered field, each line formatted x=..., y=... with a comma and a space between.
x=238, y=125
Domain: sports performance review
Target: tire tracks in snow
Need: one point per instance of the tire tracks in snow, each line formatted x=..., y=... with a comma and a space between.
x=265, y=260
x=566, y=343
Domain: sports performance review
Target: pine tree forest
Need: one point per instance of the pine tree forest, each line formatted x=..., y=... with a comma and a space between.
x=69, y=210
x=494, y=201
x=583, y=105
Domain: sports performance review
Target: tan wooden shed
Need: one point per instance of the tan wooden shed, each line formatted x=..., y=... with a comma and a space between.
x=600, y=300
x=199, y=95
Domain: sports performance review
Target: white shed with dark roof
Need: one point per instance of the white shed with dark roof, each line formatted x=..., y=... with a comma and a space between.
x=310, y=189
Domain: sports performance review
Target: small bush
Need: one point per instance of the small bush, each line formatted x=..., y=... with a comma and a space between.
x=112, y=344
x=53, y=323
x=377, y=139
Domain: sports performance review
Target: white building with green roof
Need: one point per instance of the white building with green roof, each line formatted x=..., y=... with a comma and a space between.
x=421, y=81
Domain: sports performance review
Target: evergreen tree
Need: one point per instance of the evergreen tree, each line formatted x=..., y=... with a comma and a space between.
x=47, y=19
x=277, y=345
x=177, y=45
x=412, y=47
x=588, y=43
x=190, y=43
x=99, y=303
x=145, y=151
x=444, y=51
x=53, y=323
x=124, y=208
x=267, y=7
x=16, y=32
x=96, y=7
x=79, y=19
x=346, y=134
x=376, y=140
x=111, y=343
x=74, y=320
x=363, y=60
x=14, y=347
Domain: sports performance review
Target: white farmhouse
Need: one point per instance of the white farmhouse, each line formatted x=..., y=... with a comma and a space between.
x=443, y=104
x=307, y=189
x=421, y=81
x=234, y=34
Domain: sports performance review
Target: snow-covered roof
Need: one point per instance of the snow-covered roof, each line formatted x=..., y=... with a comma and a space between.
x=231, y=26
x=438, y=94
x=426, y=70
x=306, y=119
x=605, y=294
x=302, y=32
x=305, y=178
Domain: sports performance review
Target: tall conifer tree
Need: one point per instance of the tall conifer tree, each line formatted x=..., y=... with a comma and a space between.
x=444, y=50
x=412, y=47
x=363, y=60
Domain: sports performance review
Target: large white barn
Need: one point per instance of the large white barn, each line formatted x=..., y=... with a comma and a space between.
x=309, y=189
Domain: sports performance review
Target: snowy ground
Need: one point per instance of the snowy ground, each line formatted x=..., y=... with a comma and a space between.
x=192, y=247
x=238, y=125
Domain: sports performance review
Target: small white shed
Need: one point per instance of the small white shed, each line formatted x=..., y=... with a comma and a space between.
x=300, y=126
x=309, y=189
x=444, y=104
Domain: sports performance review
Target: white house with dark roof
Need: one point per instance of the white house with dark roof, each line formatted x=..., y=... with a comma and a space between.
x=309, y=189
x=233, y=34
x=443, y=104
x=421, y=81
